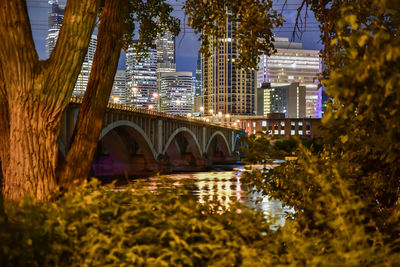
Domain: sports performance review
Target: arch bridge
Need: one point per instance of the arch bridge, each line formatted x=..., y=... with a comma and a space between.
x=138, y=141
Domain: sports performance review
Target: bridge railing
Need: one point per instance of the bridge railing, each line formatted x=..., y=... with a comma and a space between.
x=124, y=107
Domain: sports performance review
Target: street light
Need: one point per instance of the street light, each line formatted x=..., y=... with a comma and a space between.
x=201, y=111
x=151, y=107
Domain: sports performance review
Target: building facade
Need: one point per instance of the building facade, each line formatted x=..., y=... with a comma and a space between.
x=83, y=78
x=176, y=95
x=198, y=98
x=277, y=126
x=292, y=64
x=165, y=58
x=225, y=87
x=141, y=78
x=118, y=93
x=289, y=100
x=55, y=18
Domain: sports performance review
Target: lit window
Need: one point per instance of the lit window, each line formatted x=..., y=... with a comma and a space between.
x=254, y=124
x=300, y=132
x=282, y=132
x=264, y=124
x=276, y=132
x=308, y=132
x=292, y=132
x=283, y=123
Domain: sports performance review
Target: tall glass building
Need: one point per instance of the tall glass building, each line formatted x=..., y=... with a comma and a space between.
x=166, y=48
x=226, y=88
x=118, y=93
x=176, y=92
x=292, y=64
x=141, y=78
x=55, y=18
x=198, y=99
x=165, y=58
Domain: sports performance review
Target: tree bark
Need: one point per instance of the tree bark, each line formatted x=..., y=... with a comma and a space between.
x=90, y=119
x=36, y=93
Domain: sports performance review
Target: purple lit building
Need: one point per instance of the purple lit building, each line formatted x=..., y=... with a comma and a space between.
x=292, y=64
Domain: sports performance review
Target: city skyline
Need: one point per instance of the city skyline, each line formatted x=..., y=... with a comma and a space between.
x=187, y=44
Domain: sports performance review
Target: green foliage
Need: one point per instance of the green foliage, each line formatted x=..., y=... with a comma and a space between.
x=346, y=197
x=101, y=226
x=256, y=20
x=153, y=17
x=260, y=149
x=257, y=148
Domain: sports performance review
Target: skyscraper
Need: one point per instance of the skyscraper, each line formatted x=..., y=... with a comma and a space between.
x=83, y=78
x=198, y=99
x=165, y=57
x=291, y=64
x=118, y=93
x=166, y=51
x=55, y=18
x=176, y=92
x=226, y=88
x=141, y=78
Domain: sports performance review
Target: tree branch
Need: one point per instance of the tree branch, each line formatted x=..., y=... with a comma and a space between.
x=17, y=49
x=4, y=122
x=91, y=114
x=66, y=60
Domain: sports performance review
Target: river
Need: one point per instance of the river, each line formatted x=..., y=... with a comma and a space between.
x=224, y=183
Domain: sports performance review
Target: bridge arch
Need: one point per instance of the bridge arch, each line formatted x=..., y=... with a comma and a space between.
x=176, y=132
x=133, y=125
x=215, y=135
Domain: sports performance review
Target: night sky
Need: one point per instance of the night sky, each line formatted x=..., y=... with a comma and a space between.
x=187, y=44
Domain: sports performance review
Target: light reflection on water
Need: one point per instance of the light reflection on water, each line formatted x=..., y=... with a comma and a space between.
x=226, y=187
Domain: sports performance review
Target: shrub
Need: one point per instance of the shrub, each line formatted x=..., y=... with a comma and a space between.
x=95, y=225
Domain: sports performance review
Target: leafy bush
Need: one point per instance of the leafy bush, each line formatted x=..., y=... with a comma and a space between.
x=94, y=225
x=346, y=197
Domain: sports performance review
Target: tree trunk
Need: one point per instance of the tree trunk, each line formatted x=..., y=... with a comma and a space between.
x=36, y=93
x=90, y=119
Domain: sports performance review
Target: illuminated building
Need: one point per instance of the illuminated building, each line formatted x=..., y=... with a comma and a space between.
x=226, y=88
x=55, y=18
x=118, y=93
x=165, y=56
x=289, y=100
x=83, y=78
x=141, y=78
x=292, y=64
x=198, y=99
x=176, y=95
